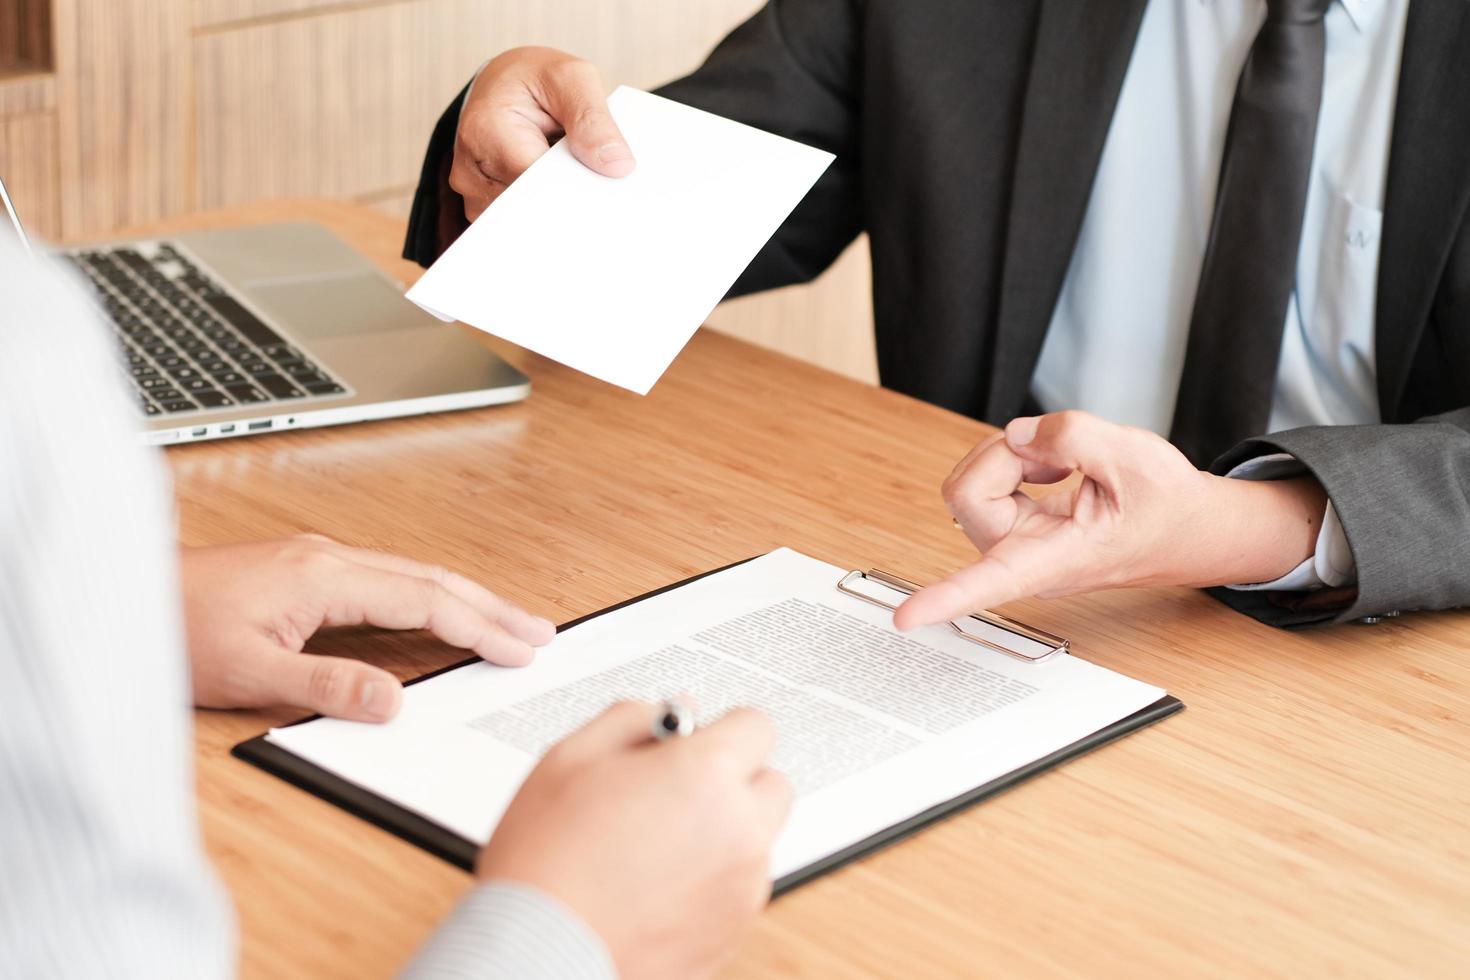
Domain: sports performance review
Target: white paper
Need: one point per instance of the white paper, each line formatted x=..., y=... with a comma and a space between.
x=613, y=276
x=873, y=726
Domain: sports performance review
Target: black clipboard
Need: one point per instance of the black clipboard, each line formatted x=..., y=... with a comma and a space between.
x=461, y=852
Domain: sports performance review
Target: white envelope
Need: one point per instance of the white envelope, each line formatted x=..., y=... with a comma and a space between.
x=613, y=276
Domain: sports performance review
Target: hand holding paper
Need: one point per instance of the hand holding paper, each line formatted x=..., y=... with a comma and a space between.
x=613, y=276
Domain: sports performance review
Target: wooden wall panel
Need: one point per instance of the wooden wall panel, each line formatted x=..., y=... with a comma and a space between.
x=125, y=111
x=341, y=103
x=216, y=14
x=25, y=35
x=23, y=94
x=28, y=161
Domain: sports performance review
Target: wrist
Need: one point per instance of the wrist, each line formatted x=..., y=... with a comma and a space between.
x=1258, y=531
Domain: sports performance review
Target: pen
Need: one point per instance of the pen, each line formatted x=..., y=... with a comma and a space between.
x=674, y=720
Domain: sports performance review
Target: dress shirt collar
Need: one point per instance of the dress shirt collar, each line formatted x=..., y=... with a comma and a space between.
x=1365, y=15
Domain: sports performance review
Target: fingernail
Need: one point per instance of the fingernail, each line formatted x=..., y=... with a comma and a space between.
x=378, y=700
x=614, y=154
x=1021, y=431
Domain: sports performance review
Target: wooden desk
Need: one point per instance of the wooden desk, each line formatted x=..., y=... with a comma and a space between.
x=1309, y=815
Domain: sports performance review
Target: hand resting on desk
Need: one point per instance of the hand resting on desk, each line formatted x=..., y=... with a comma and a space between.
x=250, y=608
x=1141, y=515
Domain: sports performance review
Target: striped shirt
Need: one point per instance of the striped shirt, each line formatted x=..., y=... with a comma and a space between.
x=102, y=870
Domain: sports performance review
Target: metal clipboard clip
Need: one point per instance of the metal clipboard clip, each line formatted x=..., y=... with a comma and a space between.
x=991, y=630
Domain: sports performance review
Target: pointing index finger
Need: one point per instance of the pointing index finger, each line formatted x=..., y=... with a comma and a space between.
x=1013, y=569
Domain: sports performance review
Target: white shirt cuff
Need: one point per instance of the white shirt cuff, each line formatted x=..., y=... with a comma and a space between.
x=1331, y=565
x=508, y=931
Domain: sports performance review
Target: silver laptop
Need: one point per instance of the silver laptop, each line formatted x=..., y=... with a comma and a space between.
x=250, y=330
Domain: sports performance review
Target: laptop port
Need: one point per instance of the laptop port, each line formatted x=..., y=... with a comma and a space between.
x=257, y=426
x=203, y=430
x=225, y=430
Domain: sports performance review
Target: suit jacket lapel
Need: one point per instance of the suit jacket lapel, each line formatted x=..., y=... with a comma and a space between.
x=1428, y=184
x=1082, y=52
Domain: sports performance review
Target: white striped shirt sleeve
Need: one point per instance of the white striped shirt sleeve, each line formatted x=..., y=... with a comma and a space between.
x=102, y=871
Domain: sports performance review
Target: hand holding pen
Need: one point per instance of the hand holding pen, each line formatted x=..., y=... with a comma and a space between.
x=681, y=817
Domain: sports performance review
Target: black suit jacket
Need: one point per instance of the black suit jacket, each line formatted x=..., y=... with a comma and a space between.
x=968, y=134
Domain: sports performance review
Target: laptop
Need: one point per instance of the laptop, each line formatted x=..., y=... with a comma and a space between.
x=249, y=330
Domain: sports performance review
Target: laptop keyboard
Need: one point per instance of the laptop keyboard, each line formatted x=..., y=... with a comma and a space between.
x=190, y=345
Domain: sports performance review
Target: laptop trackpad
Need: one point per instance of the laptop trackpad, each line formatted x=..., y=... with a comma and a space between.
x=328, y=306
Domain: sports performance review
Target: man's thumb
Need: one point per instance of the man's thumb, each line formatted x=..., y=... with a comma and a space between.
x=1065, y=441
x=598, y=143
x=574, y=97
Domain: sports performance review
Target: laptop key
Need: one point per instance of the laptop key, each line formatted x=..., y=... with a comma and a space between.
x=249, y=325
x=199, y=284
x=278, y=386
x=212, y=399
x=179, y=405
x=228, y=377
x=327, y=387
x=246, y=394
x=194, y=385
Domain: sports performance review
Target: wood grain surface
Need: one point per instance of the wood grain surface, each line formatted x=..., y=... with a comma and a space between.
x=1307, y=816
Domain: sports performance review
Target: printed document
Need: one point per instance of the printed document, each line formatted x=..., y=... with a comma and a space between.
x=873, y=726
x=613, y=276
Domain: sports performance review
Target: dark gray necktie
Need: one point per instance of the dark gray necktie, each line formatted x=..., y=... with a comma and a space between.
x=1250, y=261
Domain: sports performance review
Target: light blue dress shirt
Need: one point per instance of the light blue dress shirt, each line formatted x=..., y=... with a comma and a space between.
x=1116, y=342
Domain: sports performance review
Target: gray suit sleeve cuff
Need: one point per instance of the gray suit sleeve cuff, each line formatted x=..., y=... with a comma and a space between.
x=1401, y=493
x=506, y=931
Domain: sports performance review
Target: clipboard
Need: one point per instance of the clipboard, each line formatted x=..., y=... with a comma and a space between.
x=1013, y=639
